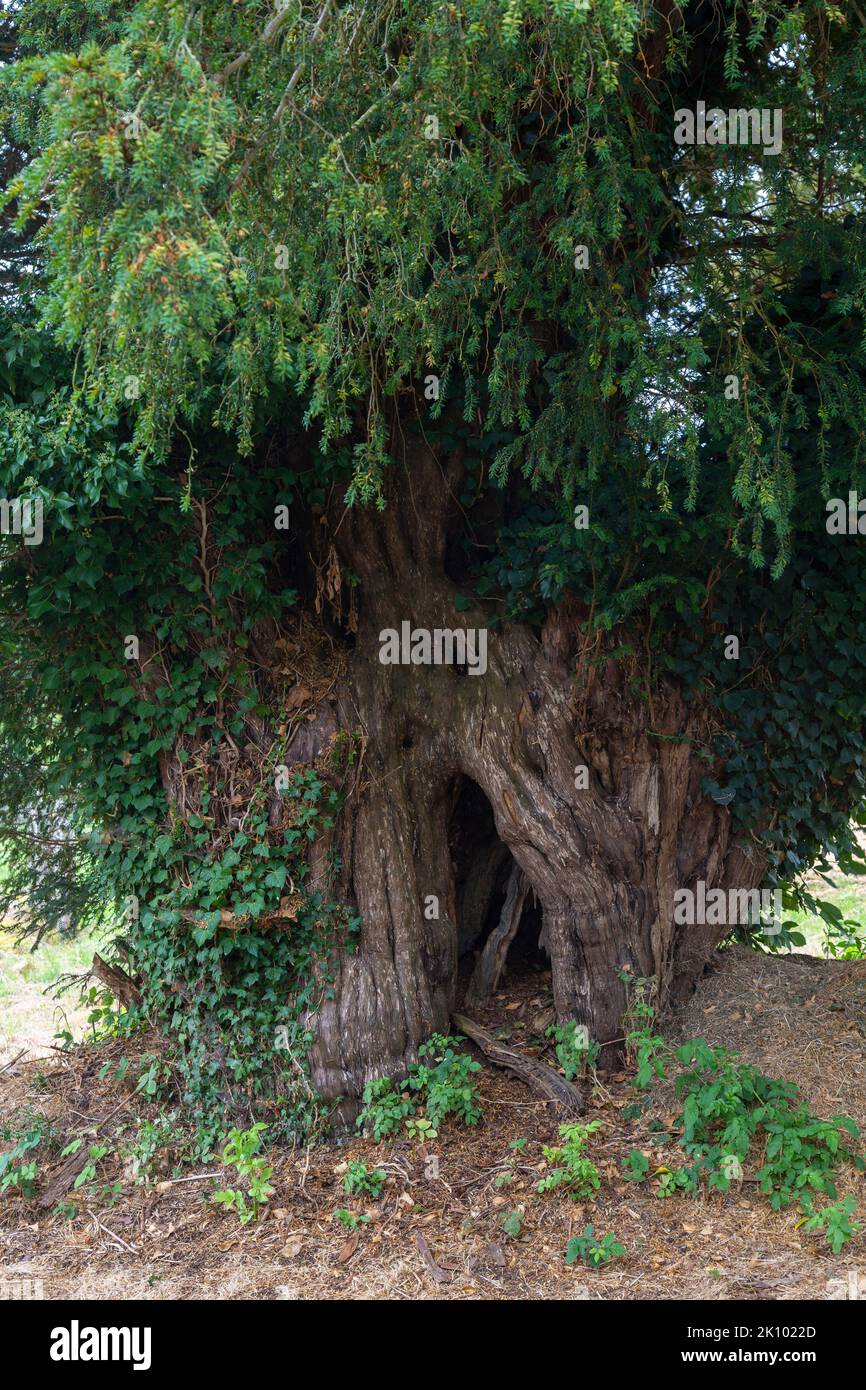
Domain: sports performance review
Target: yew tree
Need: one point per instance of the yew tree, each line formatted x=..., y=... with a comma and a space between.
x=325, y=318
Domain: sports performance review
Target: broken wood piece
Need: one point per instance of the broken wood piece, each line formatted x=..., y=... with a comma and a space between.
x=491, y=962
x=540, y=1079
x=437, y=1274
x=116, y=981
x=16, y=1058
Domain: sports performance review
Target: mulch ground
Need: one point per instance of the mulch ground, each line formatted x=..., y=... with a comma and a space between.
x=437, y=1230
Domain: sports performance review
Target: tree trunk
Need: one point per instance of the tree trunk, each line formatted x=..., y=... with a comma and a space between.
x=604, y=860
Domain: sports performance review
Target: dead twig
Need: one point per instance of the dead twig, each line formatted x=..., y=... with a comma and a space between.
x=21, y=1054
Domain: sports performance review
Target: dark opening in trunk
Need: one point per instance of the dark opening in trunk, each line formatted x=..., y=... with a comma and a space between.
x=499, y=921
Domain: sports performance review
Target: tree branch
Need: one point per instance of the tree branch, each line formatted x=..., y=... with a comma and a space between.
x=38, y=839
x=270, y=31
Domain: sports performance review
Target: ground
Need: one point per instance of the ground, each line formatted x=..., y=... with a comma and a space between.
x=29, y=1020
x=441, y=1236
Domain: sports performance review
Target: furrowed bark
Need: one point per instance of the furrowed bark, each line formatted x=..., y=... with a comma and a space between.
x=603, y=861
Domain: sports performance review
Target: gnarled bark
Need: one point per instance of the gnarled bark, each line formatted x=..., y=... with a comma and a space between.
x=604, y=860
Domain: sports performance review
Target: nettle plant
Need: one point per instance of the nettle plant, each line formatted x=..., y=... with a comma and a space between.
x=442, y=1082
x=359, y=1180
x=733, y=1116
x=594, y=1250
x=570, y=1170
x=241, y=1152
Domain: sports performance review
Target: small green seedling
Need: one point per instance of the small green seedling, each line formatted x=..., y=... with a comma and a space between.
x=574, y=1173
x=241, y=1151
x=593, y=1250
x=359, y=1179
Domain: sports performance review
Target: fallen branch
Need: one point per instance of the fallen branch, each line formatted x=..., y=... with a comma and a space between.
x=439, y=1276
x=120, y=1242
x=540, y=1079
x=22, y=1053
x=196, y=1177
